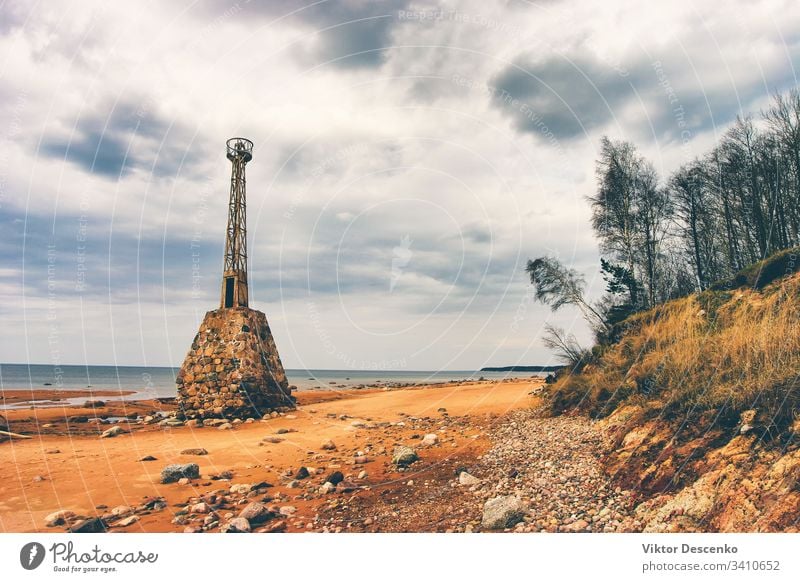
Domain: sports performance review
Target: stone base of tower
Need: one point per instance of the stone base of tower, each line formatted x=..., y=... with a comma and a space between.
x=233, y=368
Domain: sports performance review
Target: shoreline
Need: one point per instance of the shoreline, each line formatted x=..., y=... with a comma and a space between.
x=67, y=466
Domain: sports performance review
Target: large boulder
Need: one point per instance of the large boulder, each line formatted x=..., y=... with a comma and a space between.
x=174, y=473
x=502, y=512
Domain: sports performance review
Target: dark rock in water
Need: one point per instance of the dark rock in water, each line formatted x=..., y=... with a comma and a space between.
x=91, y=525
x=148, y=458
x=335, y=478
x=194, y=452
x=302, y=473
x=173, y=473
x=94, y=404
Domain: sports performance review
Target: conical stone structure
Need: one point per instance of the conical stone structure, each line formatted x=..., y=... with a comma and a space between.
x=233, y=368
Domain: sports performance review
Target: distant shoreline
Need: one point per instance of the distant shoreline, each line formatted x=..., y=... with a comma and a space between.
x=521, y=369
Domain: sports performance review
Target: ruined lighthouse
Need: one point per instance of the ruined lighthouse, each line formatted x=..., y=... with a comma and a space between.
x=233, y=369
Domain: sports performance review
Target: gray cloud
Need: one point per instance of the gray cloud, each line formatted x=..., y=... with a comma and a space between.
x=347, y=34
x=656, y=96
x=128, y=135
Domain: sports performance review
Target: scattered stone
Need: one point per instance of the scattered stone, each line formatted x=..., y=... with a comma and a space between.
x=173, y=473
x=578, y=526
x=222, y=476
x=502, y=512
x=302, y=473
x=328, y=446
x=346, y=487
x=282, y=431
x=273, y=440
x=240, y=488
x=404, y=456
x=58, y=518
x=194, y=452
x=225, y=426
x=130, y=520
x=430, y=440
x=201, y=508
x=112, y=432
x=256, y=512
x=121, y=511
x=469, y=480
x=274, y=527
x=287, y=510
x=94, y=404
x=148, y=458
x=327, y=487
x=90, y=525
x=335, y=478
x=236, y=525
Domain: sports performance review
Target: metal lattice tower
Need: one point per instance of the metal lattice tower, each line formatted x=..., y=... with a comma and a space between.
x=234, y=275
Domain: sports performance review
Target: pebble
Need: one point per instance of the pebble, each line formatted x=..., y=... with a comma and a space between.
x=465, y=478
x=430, y=440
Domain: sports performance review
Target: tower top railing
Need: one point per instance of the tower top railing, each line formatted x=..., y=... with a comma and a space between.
x=240, y=148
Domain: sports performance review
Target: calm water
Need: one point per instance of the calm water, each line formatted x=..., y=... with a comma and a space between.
x=153, y=382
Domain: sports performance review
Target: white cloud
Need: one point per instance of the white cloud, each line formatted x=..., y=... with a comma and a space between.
x=351, y=155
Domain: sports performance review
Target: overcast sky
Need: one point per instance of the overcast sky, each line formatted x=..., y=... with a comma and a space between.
x=409, y=158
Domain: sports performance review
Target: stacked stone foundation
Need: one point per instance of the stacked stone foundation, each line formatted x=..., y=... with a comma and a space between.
x=233, y=369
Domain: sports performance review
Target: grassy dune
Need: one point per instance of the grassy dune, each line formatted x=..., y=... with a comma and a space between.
x=725, y=351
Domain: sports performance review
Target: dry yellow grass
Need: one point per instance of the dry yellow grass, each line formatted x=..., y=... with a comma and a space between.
x=730, y=351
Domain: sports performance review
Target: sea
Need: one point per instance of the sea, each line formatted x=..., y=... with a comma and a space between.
x=148, y=382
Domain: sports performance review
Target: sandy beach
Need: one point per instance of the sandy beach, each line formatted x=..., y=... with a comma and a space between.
x=66, y=465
